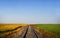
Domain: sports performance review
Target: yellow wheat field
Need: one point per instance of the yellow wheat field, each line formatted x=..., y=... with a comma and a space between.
x=4, y=27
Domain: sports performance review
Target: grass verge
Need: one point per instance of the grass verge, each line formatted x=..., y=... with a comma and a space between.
x=49, y=27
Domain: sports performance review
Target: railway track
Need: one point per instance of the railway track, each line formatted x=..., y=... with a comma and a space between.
x=30, y=33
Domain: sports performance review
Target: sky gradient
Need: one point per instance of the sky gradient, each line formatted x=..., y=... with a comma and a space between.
x=29, y=11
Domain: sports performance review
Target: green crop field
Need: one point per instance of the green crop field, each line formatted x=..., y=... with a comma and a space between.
x=50, y=27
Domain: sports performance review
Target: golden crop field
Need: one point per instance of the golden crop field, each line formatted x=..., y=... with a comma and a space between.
x=4, y=27
x=9, y=28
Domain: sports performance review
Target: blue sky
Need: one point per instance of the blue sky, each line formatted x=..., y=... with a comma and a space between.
x=29, y=11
